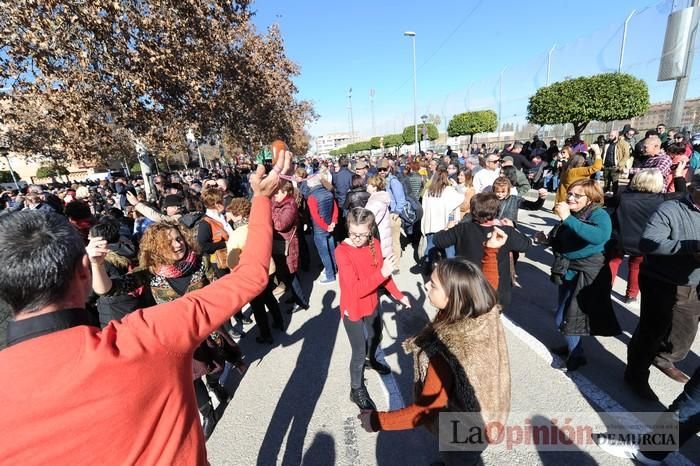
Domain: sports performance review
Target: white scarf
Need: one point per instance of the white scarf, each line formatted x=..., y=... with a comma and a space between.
x=215, y=215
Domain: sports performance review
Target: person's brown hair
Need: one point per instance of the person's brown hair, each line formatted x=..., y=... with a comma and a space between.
x=439, y=182
x=484, y=207
x=378, y=182
x=286, y=187
x=211, y=197
x=468, y=292
x=357, y=181
x=155, y=246
x=239, y=206
x=301, y=173
x=468, y=178
x=502, y=182
x=575, y=161
x=591, y=189
x=362, y=216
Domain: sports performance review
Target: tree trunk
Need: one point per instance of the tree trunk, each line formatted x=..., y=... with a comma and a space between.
x=471, y=140
x=579, y=127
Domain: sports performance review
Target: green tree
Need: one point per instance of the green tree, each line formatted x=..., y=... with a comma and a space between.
x=393, y=140
x=6, y=176
x=471, y=123
x=408, y=134
x=51, y=172
x=603, y=97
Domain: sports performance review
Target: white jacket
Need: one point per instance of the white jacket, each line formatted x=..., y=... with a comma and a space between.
x=437, y=210
x=379, y=203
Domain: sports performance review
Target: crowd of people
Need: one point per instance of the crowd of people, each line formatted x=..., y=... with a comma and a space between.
x=150, y=279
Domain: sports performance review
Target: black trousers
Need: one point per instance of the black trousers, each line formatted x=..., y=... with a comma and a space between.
x=668, y=322
x=259, y=303
x=362, y=346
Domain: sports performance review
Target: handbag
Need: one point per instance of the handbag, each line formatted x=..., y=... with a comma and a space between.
x=280, y=247
x=221, y=258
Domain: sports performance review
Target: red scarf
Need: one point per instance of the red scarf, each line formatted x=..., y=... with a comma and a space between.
x=187, y=266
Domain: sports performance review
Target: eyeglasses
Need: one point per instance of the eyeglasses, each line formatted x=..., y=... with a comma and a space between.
x=493, y=161
x=575, y=196
x=359, y=235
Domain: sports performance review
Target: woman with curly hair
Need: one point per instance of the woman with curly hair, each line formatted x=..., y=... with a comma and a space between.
x=171, y=266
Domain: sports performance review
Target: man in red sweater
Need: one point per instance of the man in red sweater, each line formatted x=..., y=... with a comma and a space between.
x=73, y=393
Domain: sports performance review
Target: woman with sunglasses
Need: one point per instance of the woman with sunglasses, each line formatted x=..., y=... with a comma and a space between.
x=362, y=271
x=579, y=268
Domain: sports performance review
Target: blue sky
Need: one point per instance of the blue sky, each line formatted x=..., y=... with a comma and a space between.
x=461, y=48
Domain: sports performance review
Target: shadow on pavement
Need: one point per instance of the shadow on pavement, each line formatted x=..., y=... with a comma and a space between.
x=321, y=452
x=408, y=324
x=297, y=402
x=567, y=454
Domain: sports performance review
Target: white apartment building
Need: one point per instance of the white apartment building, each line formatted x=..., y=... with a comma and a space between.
x=326, y=143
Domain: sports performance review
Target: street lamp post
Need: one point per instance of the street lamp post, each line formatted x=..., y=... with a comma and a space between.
x=424, y=132
x=412, y=35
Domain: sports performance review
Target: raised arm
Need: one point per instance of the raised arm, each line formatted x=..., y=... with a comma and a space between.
x=179, y=326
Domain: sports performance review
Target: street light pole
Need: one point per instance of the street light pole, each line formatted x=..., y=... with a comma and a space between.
x=624, y=41
x=352, y=122
x=371, y=107
x=412, y=35
x=549, y=62
x=500, y=102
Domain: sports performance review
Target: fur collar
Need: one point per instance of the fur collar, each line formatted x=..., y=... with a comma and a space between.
x=476, y=352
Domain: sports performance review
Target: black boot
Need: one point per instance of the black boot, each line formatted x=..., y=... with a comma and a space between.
x=361, y=398
x=220, y=392
x=208, y=420
x=383, y=369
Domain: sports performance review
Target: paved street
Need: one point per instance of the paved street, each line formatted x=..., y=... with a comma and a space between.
x=292, y=405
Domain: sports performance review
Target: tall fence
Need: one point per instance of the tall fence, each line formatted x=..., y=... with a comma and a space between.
x=508, y=89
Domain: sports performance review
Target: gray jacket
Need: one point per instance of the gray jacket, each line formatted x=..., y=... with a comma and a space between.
x=671, y=243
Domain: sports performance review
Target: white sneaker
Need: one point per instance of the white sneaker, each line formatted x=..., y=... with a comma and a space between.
x=623, y=450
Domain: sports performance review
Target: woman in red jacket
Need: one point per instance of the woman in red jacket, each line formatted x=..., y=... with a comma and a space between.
x=285, y=243
x=362, y=271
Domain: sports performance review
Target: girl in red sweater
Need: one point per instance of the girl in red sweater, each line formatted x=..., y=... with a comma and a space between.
x=362, y=271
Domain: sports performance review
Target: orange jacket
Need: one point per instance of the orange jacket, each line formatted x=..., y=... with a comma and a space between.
x=123, y=394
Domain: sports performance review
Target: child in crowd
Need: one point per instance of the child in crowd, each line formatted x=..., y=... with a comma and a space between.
x=362, y=270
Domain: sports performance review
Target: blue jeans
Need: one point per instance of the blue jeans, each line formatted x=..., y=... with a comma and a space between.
x=566, y=291
x=325, y=244
x=687, y=408
x=430, y=246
